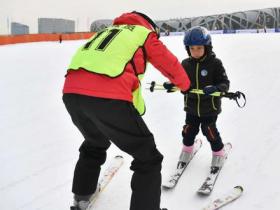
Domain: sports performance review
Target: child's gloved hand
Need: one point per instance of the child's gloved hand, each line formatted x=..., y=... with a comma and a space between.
x=209, y=89
x=169, y=87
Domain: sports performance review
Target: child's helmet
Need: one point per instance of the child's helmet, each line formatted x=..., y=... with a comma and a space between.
x=197, y=36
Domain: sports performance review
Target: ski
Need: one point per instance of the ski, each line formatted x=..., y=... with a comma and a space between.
x=210, y=181
x=225, y=199
x=174, y=178
x=105, y=179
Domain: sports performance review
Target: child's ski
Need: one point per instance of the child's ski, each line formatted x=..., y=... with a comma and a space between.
x=210, y=181
x=225, y=199
x=174, y=178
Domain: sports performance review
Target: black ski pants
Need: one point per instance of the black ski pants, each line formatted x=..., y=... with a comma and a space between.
x=208, y=128
x=102, y=121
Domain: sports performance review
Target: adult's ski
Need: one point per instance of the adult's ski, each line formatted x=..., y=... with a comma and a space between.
x=225, y=199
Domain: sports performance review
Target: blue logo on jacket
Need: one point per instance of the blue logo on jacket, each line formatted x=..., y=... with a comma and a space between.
x=204, y=72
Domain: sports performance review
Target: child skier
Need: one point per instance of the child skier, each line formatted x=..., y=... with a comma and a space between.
x=206, y=72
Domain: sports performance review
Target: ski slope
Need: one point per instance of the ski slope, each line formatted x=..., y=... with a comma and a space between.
x=39, y=144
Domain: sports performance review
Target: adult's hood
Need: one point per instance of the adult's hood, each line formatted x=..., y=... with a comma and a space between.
x=132, y=19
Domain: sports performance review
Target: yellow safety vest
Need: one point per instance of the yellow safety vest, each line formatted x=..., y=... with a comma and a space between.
x=109, y=51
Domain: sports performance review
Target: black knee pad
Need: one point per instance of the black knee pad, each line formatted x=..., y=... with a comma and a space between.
x=189, y=133
x=210, y=131
x=185, y=130
x=213, y=136
x=189, y=129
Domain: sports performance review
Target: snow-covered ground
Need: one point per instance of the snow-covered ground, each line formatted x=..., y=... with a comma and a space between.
x=39, y=144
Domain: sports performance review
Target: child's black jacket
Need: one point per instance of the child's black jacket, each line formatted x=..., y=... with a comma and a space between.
x=206, y=71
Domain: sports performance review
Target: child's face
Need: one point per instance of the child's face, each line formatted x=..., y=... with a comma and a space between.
x=197, y=51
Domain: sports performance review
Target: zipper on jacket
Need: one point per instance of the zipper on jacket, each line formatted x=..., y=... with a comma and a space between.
x=197, y=87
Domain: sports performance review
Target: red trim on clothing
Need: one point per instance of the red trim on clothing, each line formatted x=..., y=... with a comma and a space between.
x=211, y=133
x=186, y=129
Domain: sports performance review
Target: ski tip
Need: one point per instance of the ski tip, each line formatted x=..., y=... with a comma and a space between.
x=229, y=144
x=239, y=188
x=199, y=142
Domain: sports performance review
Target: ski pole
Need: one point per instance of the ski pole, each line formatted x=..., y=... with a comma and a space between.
x=231, y=95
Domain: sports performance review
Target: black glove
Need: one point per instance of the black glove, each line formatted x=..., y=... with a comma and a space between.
x=210, y=89
x=222, y=87
x=169, y=87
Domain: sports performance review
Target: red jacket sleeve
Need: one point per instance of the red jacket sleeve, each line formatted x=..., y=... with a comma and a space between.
x=167, y=63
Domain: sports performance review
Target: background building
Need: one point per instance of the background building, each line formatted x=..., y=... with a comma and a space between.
x=257, y=20
x=252, y=19
x=100, y=24
x=18, y=28
x=53, y=25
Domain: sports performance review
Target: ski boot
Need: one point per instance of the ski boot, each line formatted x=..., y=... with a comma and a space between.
x=81, y=202
x=185, y=157
x=218, y=159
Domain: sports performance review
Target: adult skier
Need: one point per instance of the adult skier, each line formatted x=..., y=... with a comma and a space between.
x=102, y=93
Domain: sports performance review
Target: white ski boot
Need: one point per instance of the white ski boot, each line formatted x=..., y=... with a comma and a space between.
x=184, y=158
x=81, y=202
